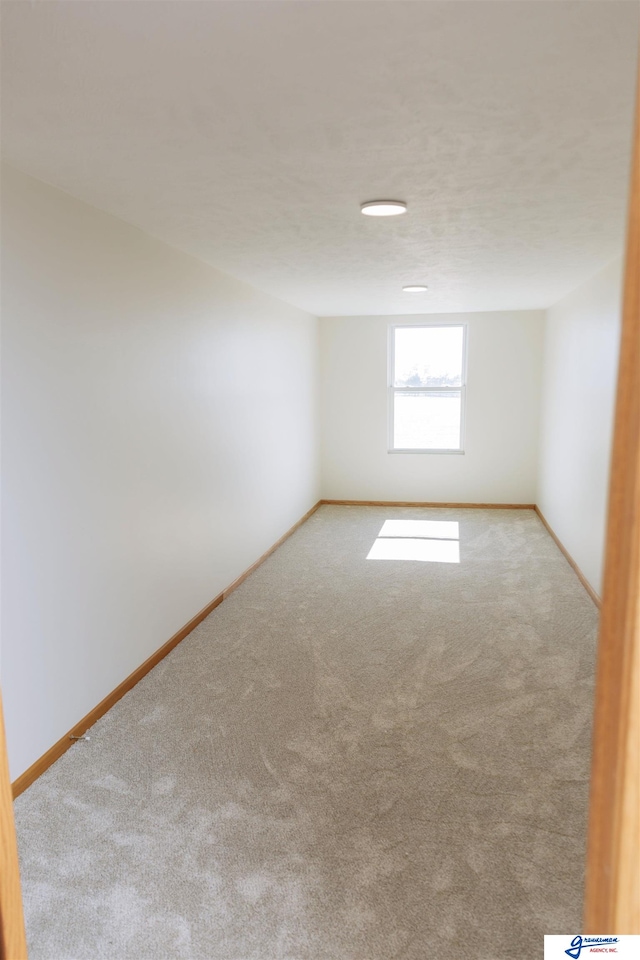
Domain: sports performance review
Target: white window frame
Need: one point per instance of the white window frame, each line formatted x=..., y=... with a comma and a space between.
x=393, y=390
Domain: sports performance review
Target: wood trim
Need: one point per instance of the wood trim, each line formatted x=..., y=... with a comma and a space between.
x=13, y=944
x=580, y=575
x=243, y=576
x=612, y=897
x=63, y=744
x=425, y=503
x=479, y=506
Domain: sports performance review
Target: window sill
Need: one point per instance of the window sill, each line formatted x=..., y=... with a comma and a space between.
x=454, y=452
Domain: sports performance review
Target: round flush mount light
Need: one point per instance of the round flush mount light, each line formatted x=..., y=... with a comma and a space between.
x=415, y=288
x=383, y=208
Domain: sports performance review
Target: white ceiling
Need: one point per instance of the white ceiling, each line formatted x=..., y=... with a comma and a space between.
x=248, y=134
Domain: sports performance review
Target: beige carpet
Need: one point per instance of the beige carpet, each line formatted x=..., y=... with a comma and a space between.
x=350, y=759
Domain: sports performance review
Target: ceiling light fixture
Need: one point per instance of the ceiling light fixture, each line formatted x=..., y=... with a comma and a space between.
x=383, y=208
x=415, y=288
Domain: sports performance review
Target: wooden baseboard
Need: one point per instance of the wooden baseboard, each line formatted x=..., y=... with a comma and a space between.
x=63, y=744
x=580, y=575
x=55, y=752
x=425, y=503
x=480, y=506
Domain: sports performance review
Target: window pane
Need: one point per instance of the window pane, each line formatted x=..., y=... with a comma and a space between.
x=428, y=356
x=426, y=421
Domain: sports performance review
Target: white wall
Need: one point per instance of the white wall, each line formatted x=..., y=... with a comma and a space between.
x=158, y=436
x=579, y=381
x=502, y=414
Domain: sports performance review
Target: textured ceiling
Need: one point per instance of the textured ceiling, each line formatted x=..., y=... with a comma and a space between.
x=248, y=134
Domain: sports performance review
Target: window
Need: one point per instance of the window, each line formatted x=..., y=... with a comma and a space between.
x=426, y=388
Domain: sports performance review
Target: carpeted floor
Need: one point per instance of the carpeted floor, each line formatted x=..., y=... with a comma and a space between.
x=350, y=759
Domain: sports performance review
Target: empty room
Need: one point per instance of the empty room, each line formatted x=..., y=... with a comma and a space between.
x=311, y=326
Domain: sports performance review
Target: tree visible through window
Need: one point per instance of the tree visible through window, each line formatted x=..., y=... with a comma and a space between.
x=426, y=387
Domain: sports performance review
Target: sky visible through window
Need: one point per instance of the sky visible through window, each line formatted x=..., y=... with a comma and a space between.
x=428, y=356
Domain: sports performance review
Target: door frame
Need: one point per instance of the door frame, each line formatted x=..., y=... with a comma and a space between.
x=612, y=894
x=13, y=944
